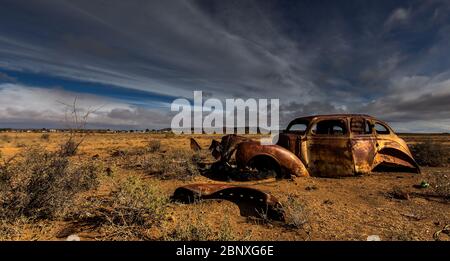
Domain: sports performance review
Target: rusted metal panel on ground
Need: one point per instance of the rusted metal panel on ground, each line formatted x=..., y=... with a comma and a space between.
x=251, y=201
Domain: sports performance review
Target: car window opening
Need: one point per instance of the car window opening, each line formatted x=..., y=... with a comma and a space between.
x=360, y=126
x=329, y=127
x=381, y=129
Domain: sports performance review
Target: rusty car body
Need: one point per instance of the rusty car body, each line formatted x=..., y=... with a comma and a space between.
x=323, y=145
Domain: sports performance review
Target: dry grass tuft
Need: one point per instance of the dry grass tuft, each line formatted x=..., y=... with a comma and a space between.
x=296, y=215
x=199, y=229
x=170, y=165
x=154, y=146
x=177, y=164
x=128, y=213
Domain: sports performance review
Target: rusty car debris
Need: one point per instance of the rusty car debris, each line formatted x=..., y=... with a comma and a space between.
x=324, y=145
x=251, y=201
x=194, y=145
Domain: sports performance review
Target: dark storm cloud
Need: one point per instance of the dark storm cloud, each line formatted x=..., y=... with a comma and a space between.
x=387, y=58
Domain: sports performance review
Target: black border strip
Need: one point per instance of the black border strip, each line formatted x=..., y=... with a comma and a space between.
x=102, y=250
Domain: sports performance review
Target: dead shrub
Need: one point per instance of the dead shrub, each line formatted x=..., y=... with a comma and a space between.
x=127, y=214
x=430, y=154
x=296, y=215
x=69, y=148
x=154, y=146
x=45, y=137
x=42, y=185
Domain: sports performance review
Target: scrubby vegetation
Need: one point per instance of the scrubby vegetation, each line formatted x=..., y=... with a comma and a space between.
x=296, y=214
x=429, y=153
x=177, y=164
x=198, y=229
x=154, y=146
x=45, y=136
x=165, y=165
x=42, y=184
x=69, y=148
x=127, y=213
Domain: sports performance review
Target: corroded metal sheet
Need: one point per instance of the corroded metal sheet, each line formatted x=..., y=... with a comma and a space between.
x=250, y=200
x=286, y=161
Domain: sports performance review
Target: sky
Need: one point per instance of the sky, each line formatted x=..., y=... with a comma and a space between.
x=128, y=60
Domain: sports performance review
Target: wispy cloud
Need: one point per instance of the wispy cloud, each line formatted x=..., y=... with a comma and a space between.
x=398, y=16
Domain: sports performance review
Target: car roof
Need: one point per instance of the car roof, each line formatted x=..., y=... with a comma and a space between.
x=336, y=116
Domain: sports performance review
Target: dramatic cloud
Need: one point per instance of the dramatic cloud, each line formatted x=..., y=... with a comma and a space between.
x=52, y=107
x=378, y=57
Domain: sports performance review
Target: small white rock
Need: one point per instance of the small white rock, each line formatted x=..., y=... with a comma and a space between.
x=373, y=238
x=73, y=238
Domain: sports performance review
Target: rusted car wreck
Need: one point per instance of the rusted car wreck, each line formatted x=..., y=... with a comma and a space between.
x=323, y=146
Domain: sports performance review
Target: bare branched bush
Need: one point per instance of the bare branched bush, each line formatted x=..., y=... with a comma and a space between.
x=76, y=122
x=430, y=154
x=42, y=185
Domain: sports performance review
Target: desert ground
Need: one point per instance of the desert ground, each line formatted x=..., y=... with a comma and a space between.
x=118, y=187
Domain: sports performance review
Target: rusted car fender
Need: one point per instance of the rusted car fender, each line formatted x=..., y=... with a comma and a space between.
x=250, y=154
x=394, y=155
x=255, y=201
